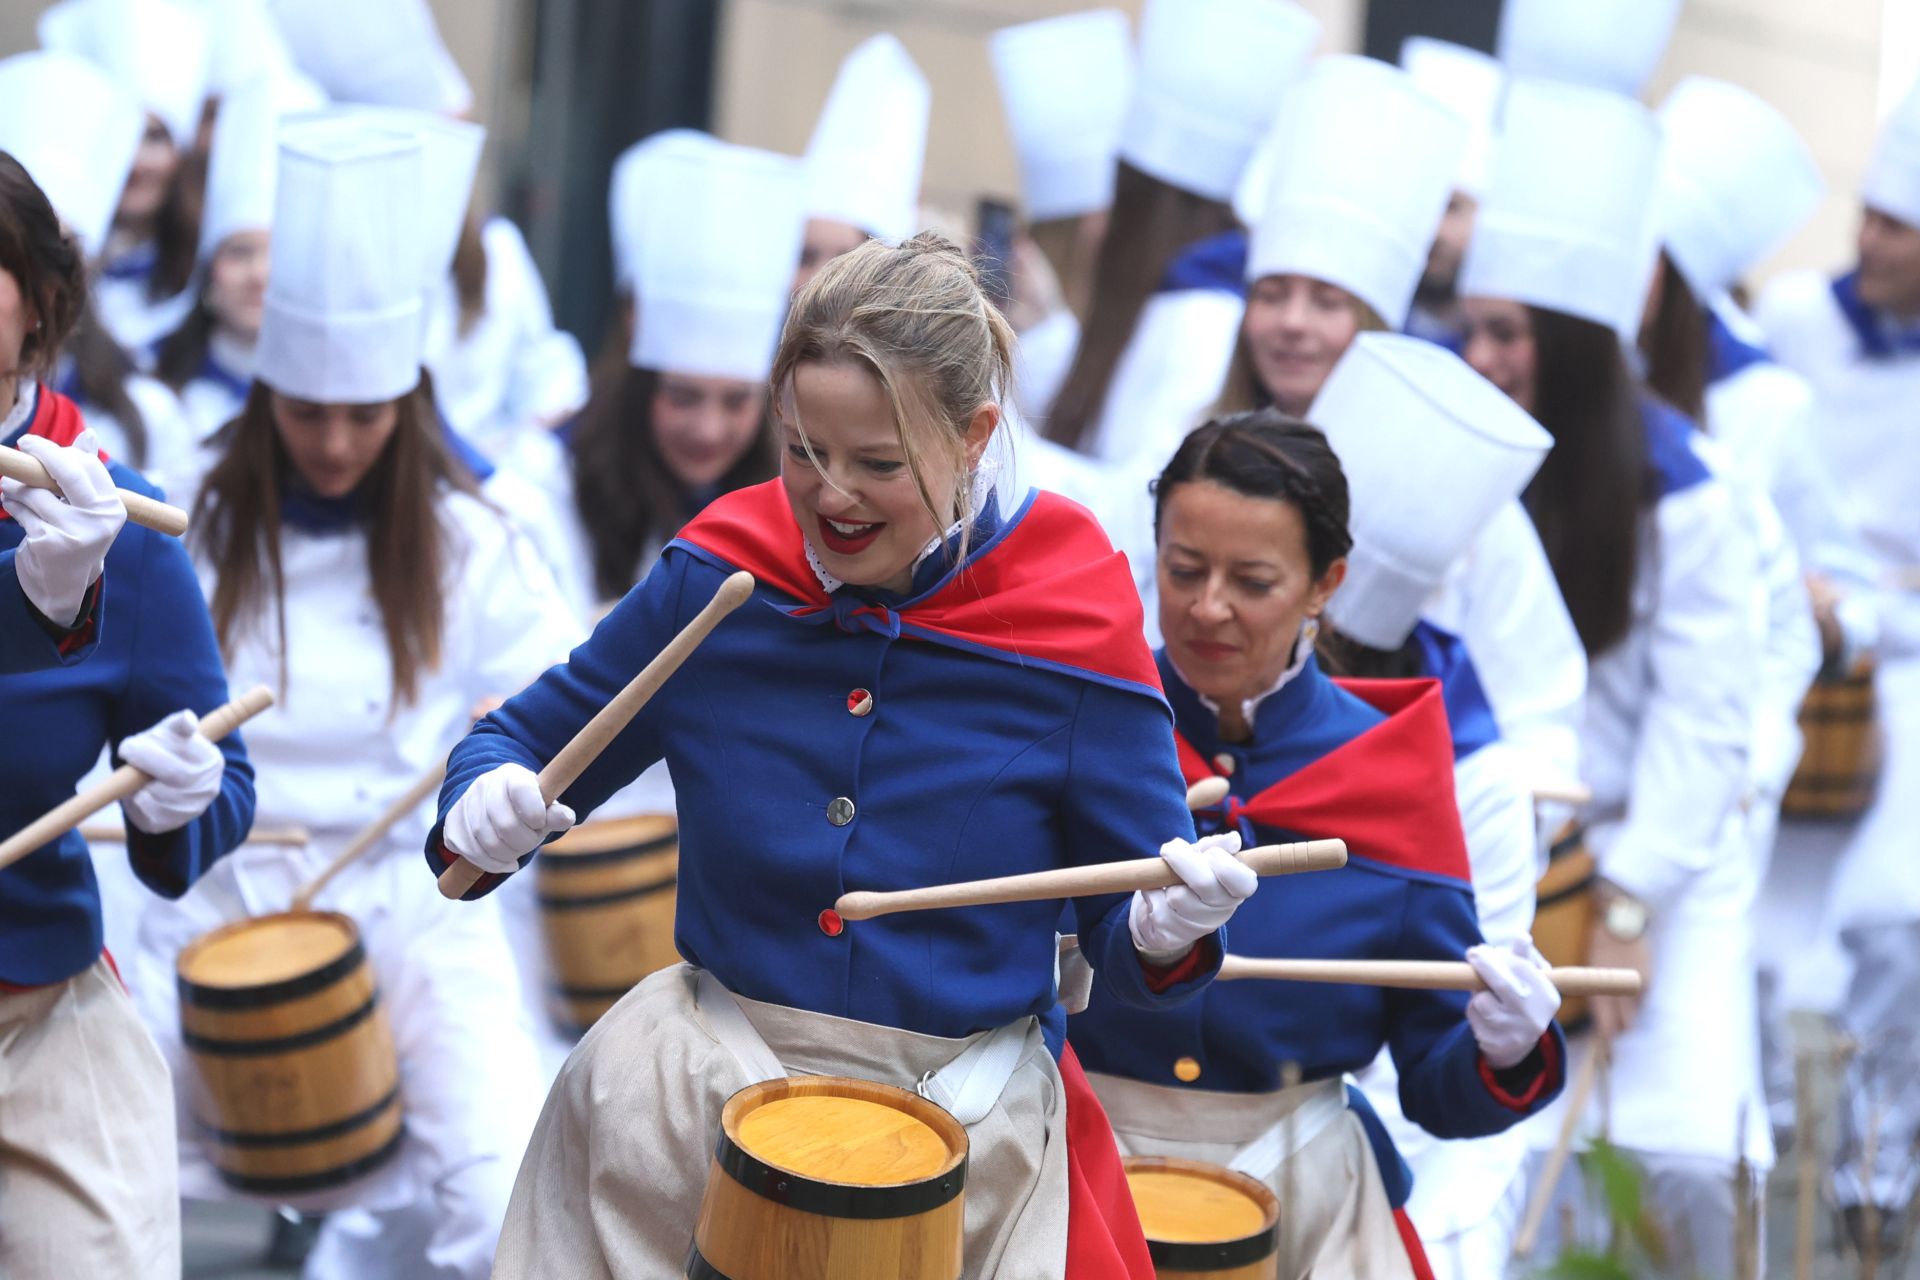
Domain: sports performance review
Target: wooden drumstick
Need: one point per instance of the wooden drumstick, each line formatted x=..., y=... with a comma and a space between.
x=572, y=760
x=141, y=509
x=1569, y=793
x=1576, y=1106
x=1206, y=793
x=291, y=837
x=124, y=781
x=416, y=795
x=1083, y=882
x=1423, y=975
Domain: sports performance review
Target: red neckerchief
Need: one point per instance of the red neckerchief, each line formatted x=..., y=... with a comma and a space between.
x=55, y=418
x=1048, y=589
x=1389, y=793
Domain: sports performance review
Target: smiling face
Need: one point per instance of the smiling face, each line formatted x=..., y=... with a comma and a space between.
x=1296, y=329
x=856, y=497
x=1500, y=346
x=1236, y=585
x=237, y=283
x=702, y=427
x=333, y=446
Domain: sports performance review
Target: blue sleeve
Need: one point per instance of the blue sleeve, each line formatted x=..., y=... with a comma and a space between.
x=1124, y=799
x=176, y=664
x=530, y=728
x=1446, y=1087
x=27, y=640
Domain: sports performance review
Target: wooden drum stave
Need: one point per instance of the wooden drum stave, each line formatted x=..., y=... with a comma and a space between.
x=606, y=910
x=1204, y=1222
x=830, y=1178
x=297, y=1086
x=1564, y=911
x=1840, y=762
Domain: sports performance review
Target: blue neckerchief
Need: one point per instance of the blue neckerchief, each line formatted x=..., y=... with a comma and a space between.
x=213, y=371
x=1422, y=324
x=135, y=264
x=1218, y=263
x=1879, y=336
x=1727, y=352
x=565, y=431
x=307, y=511
x=469, y=457
x=1444, y=656
x=1670, y=447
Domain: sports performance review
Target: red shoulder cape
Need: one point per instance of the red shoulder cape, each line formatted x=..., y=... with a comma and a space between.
x=58, y=419
x=1047, y=590
x=1389, y=793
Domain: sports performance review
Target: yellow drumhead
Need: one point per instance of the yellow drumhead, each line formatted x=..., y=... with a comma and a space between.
x=1183, y=1208
x=847, y=1140
x=274, y=949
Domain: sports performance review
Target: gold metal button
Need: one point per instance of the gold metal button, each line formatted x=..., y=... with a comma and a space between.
x=1186, y=1071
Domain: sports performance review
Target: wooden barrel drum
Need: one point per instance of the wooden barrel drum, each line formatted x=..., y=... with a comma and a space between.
x=1204, y=1222
x=298, y=1088
x=1841, y=759
x=606, y=909
x=1563, y=913
x=826, y=1178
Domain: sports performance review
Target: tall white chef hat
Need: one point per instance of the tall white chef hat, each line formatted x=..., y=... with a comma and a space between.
x=247, y=44
x=1468, y=83
x=79, y=151
x=1362, y=165
x=715, y=260
x=869, y=146
x=1568, y=224
x=157, y=48
x=1735, y=182
x=634, y=182
x=244, y=161
x=1603, y=44
x=343, y=321
x=1892, y=184
x=1066, y=83
x=449, y=164
x=1412, y=423
x=384, y=52
x=1210, y=80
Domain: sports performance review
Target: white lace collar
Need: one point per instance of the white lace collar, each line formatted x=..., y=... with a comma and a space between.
x=25, y=395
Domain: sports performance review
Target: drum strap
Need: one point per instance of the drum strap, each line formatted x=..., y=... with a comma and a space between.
x=969, y=1087
x=1324, y=1102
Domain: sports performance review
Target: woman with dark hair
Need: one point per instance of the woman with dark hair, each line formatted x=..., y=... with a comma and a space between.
x=133, y=663
x=351, y=565
x=1251, y=520
x=1660, y=576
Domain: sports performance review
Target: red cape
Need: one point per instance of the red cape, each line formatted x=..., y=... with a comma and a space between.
x=58, y=419
x=1104, y=1240
x=1389, y=793
x=1047, y=590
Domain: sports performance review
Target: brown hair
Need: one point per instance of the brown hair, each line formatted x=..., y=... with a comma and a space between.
x=183, y=353
x=1244, y=390
x=176, y=228
x=1152, y=222
x=470, y=272
x=915, y=317
x=46, y=265
x=1072, y=251
x=236, y=526
x=1676, y=347
x=624, y=493
x=101, y=369
x=1266, y=454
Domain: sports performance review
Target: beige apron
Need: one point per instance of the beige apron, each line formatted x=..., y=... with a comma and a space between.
x=1304, y=1142
x=611, y=1183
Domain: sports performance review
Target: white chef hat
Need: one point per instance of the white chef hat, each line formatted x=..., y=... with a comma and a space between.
x=635, y=181
x=1362, y=165
x=1568, y=224
x=1210, y=80
x=715, y=260
x=246, y=150
x=1468, y=83
x=1735, y=182
x=1066, y=83
x=383, y=52
x=1892, y=184
x=80, y=150
x=158, y=49
x=449, y=164
x=343, y=322
x=247, y=44
x=1430, y=450
x=1603, y=44
x=869, y=146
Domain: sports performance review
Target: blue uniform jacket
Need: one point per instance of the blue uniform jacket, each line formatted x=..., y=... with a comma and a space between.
x=154, y=654
x=809, y=760
x=1241, y=1034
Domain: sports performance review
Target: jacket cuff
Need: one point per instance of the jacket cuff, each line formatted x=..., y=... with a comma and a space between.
x=1532, y=1081
x=1201, y=961
x=71, y=642
x=439, y=857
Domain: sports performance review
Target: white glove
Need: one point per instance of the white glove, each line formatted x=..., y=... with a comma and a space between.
x=502, y=817
x=66, y=542
x=1167, y=922
x=1511, y=1015
x=186, y=771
